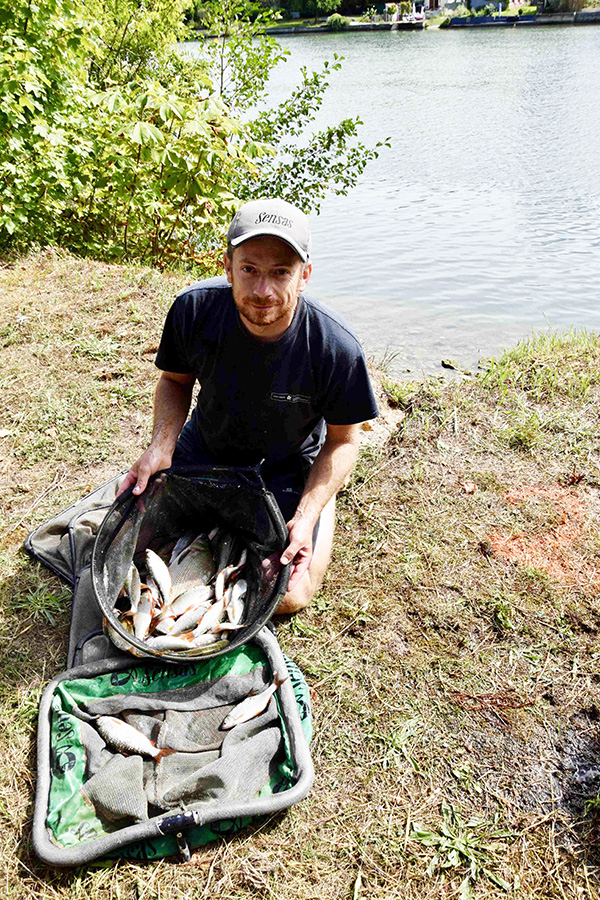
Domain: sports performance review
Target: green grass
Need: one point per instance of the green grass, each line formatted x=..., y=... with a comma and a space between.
x=548, y=367
x=514, y=10
x=452, y=685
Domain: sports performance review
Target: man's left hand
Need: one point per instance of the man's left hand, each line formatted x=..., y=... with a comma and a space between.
x=300, y=548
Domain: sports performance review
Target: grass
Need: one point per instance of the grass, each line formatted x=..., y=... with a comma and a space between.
x=452, y=653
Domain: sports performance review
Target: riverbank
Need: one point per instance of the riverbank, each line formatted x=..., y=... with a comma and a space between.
x=582, y=17
x=452, y=653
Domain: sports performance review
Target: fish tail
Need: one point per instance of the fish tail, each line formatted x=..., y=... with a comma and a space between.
x=279, y=679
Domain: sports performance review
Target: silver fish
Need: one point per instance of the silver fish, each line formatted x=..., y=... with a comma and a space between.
x=160, y=573
x=189, y=619
x=170, y=642
x=124, y=737
x=132, y=587
x=193, y=597
x=143, y=615
x=164, y=626
x=235, y=602
x=182, y=544
x=193, y=567
x=227, y=573
x=211, y=617
x=226, y=626
x=253, y=705
x=204, y=640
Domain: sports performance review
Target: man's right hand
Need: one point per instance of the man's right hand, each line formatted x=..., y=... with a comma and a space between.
x=153, y=460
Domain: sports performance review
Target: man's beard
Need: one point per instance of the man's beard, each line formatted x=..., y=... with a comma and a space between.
x=267, y=316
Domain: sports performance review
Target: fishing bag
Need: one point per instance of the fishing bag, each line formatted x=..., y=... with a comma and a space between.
x=92, y=800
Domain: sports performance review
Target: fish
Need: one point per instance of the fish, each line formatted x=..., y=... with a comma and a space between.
x=160, y=573
x=132, y=587
x=235, y=603
x=124, y=737
x=211, y=617
x=226, y=626
x=203, y=640
x=189, y=619
x=227, y=573
x=181, y=544
x=170, y=642
x=194, y=566
x=163, y=626
x=253, y=704
x=143, y=615
x=193, y=597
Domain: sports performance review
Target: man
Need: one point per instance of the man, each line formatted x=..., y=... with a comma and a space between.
x=283, y=384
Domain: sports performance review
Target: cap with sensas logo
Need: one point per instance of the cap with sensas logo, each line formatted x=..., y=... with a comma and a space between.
x=277, y=218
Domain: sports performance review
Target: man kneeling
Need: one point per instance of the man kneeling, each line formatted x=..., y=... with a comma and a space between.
x=283, y=384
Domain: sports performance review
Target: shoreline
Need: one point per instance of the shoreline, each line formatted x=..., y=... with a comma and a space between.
x=583, y=17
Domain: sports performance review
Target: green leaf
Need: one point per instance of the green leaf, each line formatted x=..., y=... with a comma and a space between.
x=498, y=880
x=136, y=133
x=25, y=102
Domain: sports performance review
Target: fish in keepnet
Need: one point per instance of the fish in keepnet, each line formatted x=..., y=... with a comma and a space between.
x=253, y=705
x=161, y=575
x=124, y=737
x=189, y=603
x=127, y=739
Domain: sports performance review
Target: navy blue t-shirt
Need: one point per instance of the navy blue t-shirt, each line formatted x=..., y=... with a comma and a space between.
x=264, y=401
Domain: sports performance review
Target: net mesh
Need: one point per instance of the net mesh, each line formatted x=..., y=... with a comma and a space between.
x=194, y=500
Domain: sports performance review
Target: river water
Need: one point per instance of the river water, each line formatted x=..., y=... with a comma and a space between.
x=481, y=224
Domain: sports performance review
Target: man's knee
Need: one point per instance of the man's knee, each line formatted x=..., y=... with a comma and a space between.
x=297, y=599
x=311, y=581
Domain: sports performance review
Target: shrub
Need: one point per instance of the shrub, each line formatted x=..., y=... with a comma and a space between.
x=337, y=22
x=114, y=143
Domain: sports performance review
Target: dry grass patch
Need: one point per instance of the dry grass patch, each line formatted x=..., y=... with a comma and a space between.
x=455, y=681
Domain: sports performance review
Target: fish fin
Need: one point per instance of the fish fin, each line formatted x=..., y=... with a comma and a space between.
x=163, y=753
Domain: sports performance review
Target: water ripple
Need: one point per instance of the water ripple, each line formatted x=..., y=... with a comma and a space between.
x=482, y=222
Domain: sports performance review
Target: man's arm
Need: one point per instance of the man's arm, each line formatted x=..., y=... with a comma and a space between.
x=328, y=473
x=171, y=406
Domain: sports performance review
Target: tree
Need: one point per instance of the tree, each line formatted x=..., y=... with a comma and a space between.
x=318, y=8
x=115, y=142
x=111, y=141
x=300, y=167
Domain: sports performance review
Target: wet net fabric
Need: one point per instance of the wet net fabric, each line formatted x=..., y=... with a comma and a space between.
x=202, y=764
x=96, y=790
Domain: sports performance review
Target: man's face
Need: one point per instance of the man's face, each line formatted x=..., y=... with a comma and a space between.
x=266, y=276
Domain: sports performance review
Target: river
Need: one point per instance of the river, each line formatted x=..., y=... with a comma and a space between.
x=481, y=223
